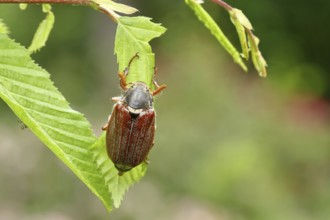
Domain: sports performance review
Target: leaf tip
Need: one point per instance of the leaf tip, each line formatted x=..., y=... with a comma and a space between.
x=4, y=28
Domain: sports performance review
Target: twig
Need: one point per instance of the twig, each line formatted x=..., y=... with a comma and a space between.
x=89, y=3
x=71, y=2
x=222, y=4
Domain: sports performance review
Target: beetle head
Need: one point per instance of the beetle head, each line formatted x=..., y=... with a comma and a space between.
x=138, y=98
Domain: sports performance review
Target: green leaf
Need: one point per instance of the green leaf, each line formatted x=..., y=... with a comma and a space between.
x=241, y=18
x=118, y=185
x=3, y=27
x=238, y=19
x=29, y=92
x=246, y=36
x=41, y=35
x=133, y=36
x=258, y=60
x=208, y=21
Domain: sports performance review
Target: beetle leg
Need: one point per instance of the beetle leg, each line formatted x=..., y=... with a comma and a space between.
x=116, y=99
x=122, y=77
x=158, y=87
x=105, y=127
x=147, y=161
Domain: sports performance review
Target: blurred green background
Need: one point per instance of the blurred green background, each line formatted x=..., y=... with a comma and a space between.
x=229, y=145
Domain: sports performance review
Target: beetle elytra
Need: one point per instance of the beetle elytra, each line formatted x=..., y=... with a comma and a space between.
x=130, y=129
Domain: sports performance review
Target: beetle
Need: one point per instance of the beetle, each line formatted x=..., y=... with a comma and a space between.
x=130, y=129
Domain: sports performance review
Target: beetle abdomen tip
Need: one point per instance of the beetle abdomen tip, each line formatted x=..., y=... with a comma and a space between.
x=123, y=168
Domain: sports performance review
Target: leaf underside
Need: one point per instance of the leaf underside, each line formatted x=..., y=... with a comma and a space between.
x=32, y=96
x=29, y=92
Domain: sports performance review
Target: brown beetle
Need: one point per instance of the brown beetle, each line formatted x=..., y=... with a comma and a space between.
x=131, y=126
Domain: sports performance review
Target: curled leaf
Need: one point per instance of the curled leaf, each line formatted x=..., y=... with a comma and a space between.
x=242, y=19
x=258, y=60
x=248, y=39
x=241, y=35
x=41, y=35
x=249, y=42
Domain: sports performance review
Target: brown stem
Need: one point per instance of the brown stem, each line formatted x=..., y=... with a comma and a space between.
x=69, y=2
x=72, y=2
x=222, y=4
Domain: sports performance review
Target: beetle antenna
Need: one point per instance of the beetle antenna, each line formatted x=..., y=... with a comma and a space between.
x=131, y=60
x=122, y=75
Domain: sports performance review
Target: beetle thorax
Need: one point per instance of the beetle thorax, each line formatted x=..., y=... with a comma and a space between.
x=137, y=98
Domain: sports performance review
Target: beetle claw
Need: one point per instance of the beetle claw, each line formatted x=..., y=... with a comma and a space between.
x=105, y=127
